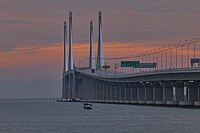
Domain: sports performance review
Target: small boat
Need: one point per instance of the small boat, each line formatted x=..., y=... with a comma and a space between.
x=87, y=106
x=61, y=100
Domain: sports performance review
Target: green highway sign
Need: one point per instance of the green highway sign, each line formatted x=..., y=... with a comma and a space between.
x=129, y=63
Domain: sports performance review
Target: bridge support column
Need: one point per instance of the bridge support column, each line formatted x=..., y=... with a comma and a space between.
x=141, y=93
x=83, y=89
x=197, y=103
x=167, y=92
x=192, y=92
x=104, y=91
x=96, y=91
x=178, y=88
x=92, y=91
x=112, y=92
x=113, y=97
x=149, y=93
x=115, y=92
x=77, y=88
x=65, y=94
x=118, y=93
x=159, y=93
x=123, y=93
x=107, y=92
x=100, y=91
x=111, y=89
x=128, y=93
x=87, y=89
x=134, y=98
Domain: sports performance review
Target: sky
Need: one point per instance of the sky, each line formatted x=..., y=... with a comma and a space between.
x=31, y=36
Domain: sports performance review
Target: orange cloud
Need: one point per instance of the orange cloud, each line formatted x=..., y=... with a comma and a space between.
x=54, y=52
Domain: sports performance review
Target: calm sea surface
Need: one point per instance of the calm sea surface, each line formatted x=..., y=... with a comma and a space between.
x=52, y=117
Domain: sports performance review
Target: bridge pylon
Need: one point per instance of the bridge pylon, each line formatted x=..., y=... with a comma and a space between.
x=71, y=60
x=100, y=56
x=91, y=58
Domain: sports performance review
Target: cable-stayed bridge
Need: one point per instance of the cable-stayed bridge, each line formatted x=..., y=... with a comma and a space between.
x=168, y=75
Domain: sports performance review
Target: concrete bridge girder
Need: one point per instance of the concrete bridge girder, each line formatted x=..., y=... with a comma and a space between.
x=162, y=75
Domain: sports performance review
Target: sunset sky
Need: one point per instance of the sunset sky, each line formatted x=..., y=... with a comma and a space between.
x=31, y=36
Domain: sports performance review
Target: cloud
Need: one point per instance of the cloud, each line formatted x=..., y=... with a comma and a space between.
x=13, y=21
x=127, y=20
x=37, y=53
x=166, y=6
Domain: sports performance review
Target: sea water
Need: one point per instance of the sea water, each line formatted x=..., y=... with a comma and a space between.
x=69, y=117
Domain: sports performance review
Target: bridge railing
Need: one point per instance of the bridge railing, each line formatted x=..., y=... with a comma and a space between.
x=178, y=55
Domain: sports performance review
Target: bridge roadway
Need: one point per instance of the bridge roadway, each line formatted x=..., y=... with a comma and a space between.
x=172, y=87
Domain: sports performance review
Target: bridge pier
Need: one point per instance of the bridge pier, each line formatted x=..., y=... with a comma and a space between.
x=133, y=93
x=178, y=90
x=113, y=92
x=95, y=90
x=167, y=90
x=92, y=90
x=98, y=91
x=107, y=92
x=87, y=89
x=65, y=93
x=128, y=93
x=118, y=93
x=192, y=93
x=149, y=97
x=123, y=93
x=104, y=91
x=141, y=93
x=159, y=93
